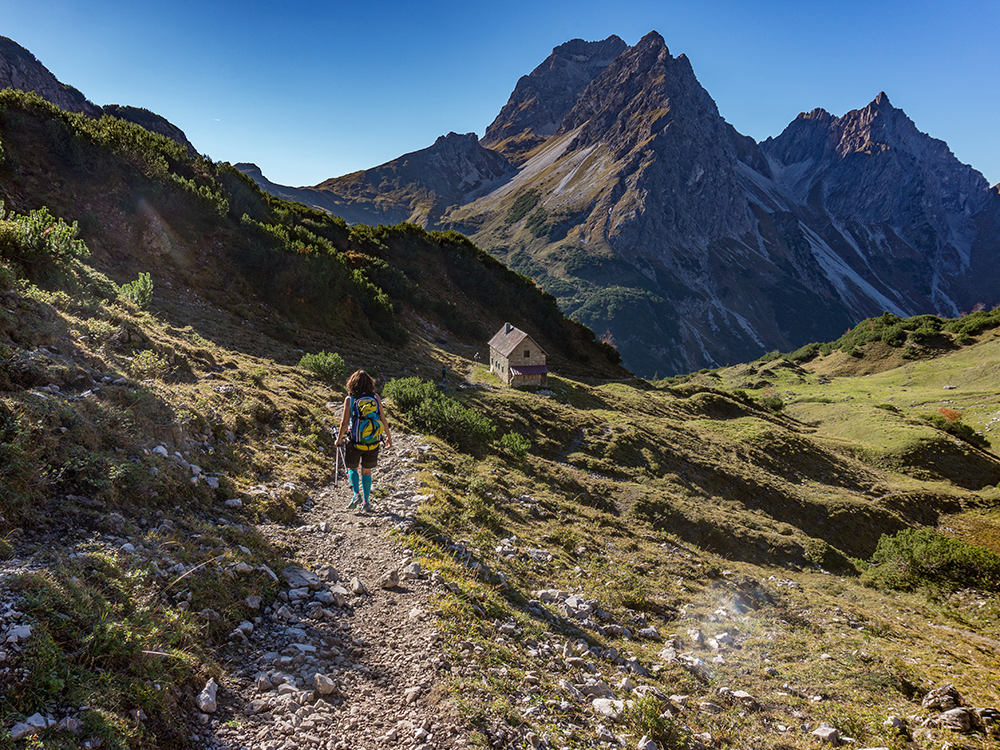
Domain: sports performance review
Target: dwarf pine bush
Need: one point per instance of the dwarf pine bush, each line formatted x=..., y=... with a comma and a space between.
x=515, y=444
x=39, y=236
x=440, y=415
x=328, y=366
x=138, y=292
x=926, y=559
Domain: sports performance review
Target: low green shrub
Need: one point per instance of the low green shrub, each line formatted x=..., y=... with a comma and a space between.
x=328, y=366
x=804, y=353
x=407, y=393
x=515, y=444
x=440, y=415
x=926, y=559
x=39, y=237
x=524, y=203
x=771, y=402
x=149, y=364
x=646, y=717
x=957, y=428
x=138, y=292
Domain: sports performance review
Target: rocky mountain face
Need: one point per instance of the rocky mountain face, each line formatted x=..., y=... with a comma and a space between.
x=416, y=187
x=19, y=69
x=686, y=244
x=544, y=97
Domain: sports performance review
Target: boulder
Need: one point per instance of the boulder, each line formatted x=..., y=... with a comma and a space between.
x=942, y=698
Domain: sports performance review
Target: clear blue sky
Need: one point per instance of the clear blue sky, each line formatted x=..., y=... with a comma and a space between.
x=312, y=90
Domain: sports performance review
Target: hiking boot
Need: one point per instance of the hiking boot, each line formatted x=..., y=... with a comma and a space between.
x=355, y=501
x=365, y=505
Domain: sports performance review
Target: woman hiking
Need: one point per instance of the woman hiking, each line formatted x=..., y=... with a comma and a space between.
x=362, y=426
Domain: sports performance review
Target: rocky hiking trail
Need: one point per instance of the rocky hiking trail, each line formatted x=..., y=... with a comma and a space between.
x=347, y=656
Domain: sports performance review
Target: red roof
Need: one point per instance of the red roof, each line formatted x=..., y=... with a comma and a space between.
x=529, y=369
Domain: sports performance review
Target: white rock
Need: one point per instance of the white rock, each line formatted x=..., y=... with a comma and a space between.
x=340, y=595
x=609, y=707
x=39, y=721
x=18, y=633
x=160, y=451
x=323, y=684
x=325, y=597
x=958, y=719
x=328, y=573
x=357, y=587
x=604, y=735
x=234, y=503
x=207, y=697
x=412, y=571
x=301, y=578
x=390, y=579
x=23, y=729
x=827, y=734
x=71, y=725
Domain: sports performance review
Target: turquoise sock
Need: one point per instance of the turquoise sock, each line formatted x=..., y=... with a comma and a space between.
x=366, y=483
x=352, y=474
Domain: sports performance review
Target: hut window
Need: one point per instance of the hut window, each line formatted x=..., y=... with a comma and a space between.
x=527, y=352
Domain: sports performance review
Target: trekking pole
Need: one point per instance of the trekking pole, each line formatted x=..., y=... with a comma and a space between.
x=338, y=458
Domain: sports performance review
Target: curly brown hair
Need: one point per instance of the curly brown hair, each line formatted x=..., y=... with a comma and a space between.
x=360, y=384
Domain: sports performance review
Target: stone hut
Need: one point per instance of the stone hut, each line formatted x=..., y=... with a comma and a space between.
x=517, y=359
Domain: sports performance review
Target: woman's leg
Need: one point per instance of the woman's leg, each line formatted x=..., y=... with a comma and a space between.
x=366, y=482
x=353, y=460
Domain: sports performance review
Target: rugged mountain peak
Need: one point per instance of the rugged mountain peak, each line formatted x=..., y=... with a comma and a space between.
x=819, y=114
x=19, y=69
x=456, y=141
x=637, y=96
x=542, y=98
x=873, y=166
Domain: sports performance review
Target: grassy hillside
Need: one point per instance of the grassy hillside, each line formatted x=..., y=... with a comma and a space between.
x=738, y=542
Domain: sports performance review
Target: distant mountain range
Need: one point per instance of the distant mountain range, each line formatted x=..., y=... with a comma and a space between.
x=611, y=179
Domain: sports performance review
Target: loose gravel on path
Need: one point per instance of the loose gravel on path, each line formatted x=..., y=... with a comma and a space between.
x=377, y=655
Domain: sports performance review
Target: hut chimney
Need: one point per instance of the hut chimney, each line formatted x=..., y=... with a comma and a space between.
x=507, y=328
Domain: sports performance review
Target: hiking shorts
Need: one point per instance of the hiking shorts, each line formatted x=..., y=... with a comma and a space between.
x=368, y=459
